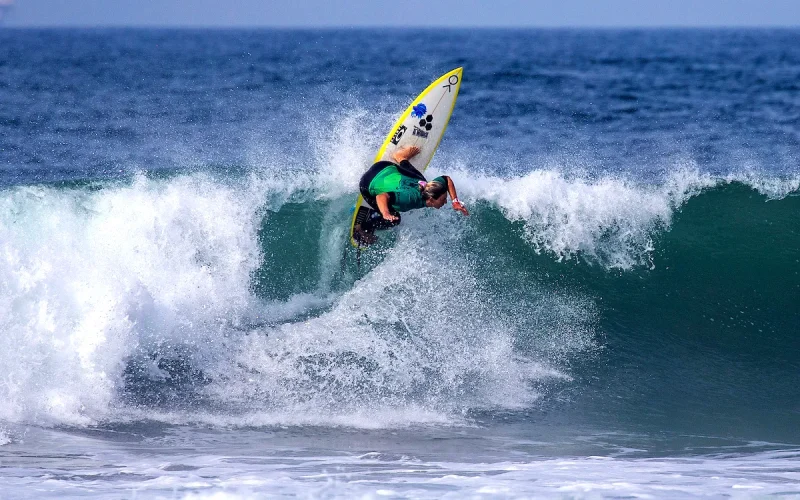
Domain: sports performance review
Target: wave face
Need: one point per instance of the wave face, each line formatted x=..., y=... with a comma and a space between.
x=173, y=209
x=189, y=299
x=143, y=297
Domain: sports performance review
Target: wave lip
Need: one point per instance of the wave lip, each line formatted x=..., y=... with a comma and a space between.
x=611, y=221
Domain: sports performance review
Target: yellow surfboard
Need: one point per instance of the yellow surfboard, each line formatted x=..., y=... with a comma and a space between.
x=422, y=124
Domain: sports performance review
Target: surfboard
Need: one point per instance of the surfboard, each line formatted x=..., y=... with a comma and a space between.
x=422, y=124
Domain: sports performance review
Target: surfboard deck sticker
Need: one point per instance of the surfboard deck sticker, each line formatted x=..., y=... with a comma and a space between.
x=422, y=124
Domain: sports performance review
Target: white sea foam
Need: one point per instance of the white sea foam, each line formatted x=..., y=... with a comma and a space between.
x=255, y=466
x=772, y=187
x=611, y=221
x=608, y=220
x=98, y=281
x=90, y=278
x=398, y=342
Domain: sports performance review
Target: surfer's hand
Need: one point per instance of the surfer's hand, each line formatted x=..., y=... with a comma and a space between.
x=406, y=153
x=457, y=205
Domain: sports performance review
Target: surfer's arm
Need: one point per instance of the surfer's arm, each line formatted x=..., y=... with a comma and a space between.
x=383, y=206
x=451, y=189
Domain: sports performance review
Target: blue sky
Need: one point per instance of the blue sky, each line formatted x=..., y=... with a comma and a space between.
x=306, y=13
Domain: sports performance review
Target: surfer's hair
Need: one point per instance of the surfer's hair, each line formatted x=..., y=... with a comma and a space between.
x=432, y=190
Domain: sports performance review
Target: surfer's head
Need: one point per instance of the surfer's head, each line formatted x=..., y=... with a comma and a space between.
x=434, y=193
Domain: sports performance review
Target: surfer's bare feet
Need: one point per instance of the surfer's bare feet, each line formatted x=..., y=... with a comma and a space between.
x=362, y=236
x=406, y=153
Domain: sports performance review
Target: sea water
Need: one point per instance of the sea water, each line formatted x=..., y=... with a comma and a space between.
x=181, y=315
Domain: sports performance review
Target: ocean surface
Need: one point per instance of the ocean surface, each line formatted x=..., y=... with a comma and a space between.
x=181, y=315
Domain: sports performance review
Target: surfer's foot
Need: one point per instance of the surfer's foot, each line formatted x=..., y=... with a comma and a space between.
x=362, y=236
x=406, y=153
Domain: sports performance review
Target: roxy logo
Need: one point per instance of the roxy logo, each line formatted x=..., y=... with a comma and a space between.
x=399, y=134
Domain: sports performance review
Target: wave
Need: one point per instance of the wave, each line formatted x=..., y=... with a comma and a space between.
x=226, y=300
x=610, y=221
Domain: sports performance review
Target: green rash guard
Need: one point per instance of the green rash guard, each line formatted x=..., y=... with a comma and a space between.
x=405, y=189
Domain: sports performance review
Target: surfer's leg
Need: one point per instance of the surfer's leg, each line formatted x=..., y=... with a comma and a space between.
x=366, y=179
x=406, y=168
x=364, y=232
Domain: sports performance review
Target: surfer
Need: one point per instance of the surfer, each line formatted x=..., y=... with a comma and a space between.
x=394, y=187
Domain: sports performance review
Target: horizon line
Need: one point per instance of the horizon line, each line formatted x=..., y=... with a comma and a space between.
x=395, y=27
